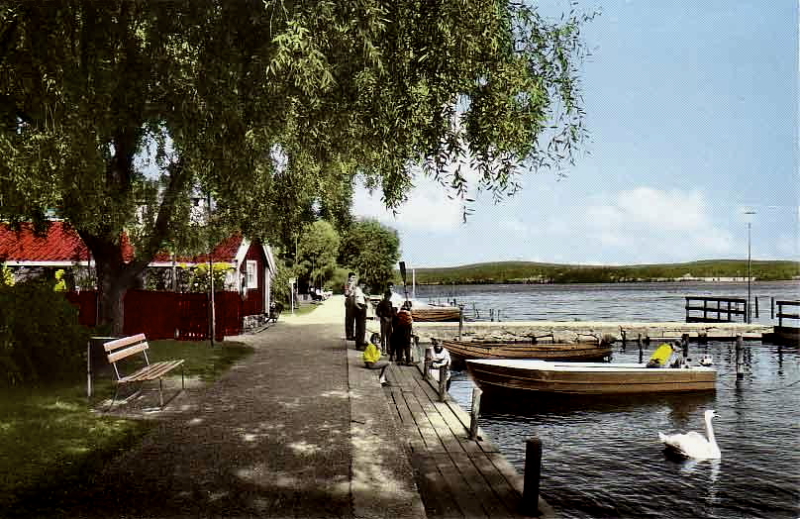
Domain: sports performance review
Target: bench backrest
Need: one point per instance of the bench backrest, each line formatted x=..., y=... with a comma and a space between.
x=121, y=348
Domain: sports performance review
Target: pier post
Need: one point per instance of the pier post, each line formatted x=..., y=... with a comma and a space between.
x=475, y=413
x=756, y=300
x=772, y=307
x=460, y=321
x=685, y=346
x=443, y=382
x=639, y=342
x=739, y=367
x=533, y=473
x=426, y=365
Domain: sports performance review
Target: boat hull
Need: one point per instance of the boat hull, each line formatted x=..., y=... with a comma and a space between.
x=534, y=376
x=436, y=314
x=527, y=350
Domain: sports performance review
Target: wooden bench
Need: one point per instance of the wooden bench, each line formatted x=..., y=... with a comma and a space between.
x=128, y=346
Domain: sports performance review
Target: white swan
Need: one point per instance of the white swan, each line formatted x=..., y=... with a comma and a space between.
x=692, y=444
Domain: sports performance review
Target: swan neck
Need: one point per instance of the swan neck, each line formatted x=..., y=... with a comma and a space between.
x=710, y=431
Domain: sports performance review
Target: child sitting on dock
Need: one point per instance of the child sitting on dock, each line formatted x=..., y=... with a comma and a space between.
x=372, y=356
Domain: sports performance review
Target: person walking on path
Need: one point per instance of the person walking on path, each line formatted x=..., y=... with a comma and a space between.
x=349, y=307
x=360, y=300
x=384, y=311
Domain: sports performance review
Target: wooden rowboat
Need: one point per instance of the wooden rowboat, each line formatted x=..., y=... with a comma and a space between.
x=436, y=314
x=587, y=378
x=527, y=350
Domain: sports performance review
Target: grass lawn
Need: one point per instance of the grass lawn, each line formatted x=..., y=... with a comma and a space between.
x=52, y=444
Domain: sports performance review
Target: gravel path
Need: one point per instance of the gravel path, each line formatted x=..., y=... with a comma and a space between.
x=272, y=438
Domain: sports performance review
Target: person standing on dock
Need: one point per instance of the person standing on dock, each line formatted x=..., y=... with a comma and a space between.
x=360, y=309
x=401, y=334
x=384, y=311
x=349, y=307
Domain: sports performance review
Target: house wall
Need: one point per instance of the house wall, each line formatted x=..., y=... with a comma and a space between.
x=255, y=297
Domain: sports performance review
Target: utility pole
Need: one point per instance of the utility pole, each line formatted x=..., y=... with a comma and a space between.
x=749, y=276
x=211, y=272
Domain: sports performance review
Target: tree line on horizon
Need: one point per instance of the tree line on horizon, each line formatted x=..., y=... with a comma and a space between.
x=512, y=272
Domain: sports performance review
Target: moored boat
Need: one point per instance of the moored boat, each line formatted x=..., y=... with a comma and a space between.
x=435, y=314
x=527, y=350
x=587, y=378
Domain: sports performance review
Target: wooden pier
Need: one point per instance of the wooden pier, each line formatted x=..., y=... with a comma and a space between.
x=456, y=476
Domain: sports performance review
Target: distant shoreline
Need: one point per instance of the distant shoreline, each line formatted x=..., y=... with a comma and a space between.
x=519, y=272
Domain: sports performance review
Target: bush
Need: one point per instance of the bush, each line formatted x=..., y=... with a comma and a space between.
x=40, y=338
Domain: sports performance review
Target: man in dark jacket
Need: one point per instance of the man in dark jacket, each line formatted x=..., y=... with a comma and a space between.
x=384, y=311
x=349, y=307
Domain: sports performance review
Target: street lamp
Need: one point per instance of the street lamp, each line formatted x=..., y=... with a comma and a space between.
x=749, y=276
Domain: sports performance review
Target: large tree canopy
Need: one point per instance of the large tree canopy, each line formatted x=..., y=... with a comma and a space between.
x=372, y=250
x=317, y=250
x=271, y=105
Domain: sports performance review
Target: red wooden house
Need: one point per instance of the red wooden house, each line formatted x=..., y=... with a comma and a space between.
x=160, y=314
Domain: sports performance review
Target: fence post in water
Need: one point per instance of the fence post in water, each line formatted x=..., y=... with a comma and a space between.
x=756, y=299
x=474, y=413
x=443, y=372
x=739, y=345
x=533, y=472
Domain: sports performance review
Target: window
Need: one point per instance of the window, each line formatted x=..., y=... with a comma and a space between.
x=252, y=274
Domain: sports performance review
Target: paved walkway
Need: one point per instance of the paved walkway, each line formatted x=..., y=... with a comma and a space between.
x=298, y=429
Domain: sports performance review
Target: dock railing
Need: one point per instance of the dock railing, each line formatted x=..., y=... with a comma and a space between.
x=781, y=315
x=715, y=309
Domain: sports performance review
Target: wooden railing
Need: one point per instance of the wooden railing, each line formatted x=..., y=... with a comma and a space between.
x=781, y=315
x=716, y=309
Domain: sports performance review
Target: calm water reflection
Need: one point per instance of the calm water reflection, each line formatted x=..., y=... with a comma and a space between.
x=602, y=457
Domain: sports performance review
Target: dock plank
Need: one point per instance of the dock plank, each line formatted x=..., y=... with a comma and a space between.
x=457, y=477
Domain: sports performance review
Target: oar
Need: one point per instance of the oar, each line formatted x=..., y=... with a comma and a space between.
x=403, y=275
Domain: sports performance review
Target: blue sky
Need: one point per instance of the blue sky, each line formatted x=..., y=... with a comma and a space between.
x=692, y=111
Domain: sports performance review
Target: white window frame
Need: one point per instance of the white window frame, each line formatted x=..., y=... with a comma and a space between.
x=252, y=274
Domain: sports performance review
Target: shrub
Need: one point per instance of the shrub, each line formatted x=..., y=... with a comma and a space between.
x=40, y=338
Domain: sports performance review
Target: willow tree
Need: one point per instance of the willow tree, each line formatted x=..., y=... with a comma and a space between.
x=272, y=106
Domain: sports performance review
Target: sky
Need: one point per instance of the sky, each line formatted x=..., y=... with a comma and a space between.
x=692, y=109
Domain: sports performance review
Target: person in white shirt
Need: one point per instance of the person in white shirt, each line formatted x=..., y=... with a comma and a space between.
x=360, y=300
x=439, y=358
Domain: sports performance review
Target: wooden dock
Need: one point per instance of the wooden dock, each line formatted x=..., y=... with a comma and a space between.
x=456, y=476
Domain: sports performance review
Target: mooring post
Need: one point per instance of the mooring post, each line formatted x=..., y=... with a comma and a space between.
x=685, y=346
x=460, y=321
x=474, y=413
x=443, y=372
x=427, y=363
x=739, y=346
x=639, y=342
x=533, y=473
x=756, y=300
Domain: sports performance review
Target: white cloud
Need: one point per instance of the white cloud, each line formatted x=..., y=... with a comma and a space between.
x=428, y=207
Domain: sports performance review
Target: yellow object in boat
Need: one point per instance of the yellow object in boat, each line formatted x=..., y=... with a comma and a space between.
x=661, y=355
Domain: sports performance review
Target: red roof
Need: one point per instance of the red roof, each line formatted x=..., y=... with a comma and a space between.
x=224, y=252
x=60, y=243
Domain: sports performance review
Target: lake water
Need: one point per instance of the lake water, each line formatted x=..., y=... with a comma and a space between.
x=602, y=457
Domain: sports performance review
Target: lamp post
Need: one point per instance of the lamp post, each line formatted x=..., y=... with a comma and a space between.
x=749, y=276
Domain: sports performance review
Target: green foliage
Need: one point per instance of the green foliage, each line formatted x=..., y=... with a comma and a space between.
x=273, y=107
x=317, y=249
x=281, y=292
x=528, y=272
x=336, y=283
x=40, y=338
x=372, y=250
x=199, y=280
x=6, y=276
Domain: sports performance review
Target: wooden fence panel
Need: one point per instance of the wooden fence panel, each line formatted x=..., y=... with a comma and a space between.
x=169, y=315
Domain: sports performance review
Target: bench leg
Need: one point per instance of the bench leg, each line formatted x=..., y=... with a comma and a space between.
x=113, y=399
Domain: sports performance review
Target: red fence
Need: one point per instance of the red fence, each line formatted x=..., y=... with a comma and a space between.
x=170, y=315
